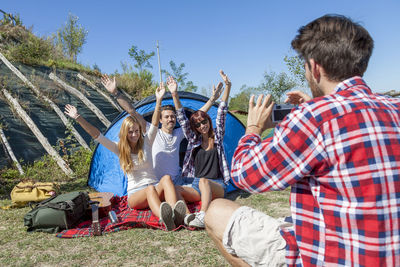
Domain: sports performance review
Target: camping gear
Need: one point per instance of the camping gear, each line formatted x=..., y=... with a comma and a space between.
x=105, y=174
x=127, y=219
x=103, y=200
x=57, y=213
x=29, y=191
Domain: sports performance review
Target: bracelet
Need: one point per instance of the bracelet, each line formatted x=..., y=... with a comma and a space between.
x=77, y=117
x=117, y=94
x=254, y=125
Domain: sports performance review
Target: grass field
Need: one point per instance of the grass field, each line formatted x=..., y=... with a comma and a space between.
x=135, y=247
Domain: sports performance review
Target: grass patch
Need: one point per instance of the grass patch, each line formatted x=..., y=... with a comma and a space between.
x=135, y=247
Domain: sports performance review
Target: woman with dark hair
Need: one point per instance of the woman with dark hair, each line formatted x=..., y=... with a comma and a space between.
x=134, y=150
x=205, y=165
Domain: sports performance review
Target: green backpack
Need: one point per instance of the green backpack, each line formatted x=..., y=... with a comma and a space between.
x=57, y=213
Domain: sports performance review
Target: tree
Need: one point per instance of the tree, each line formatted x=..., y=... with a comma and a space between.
x=72, y=37
x=181, y=77
x=140, y=57
x=296, y=67
x=241, y=100
x=276, y=84
x=9, y=18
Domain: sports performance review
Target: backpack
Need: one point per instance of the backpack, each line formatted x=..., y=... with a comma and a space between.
x=57, y=213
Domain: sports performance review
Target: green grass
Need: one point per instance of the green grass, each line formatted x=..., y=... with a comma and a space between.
x=135, y=247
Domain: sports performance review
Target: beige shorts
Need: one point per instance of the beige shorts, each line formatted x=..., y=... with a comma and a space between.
x=255, y=238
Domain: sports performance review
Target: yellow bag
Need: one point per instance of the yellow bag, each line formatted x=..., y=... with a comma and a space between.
x=28, y=191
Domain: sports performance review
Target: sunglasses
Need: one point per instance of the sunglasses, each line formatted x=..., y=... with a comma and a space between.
x=198, y=124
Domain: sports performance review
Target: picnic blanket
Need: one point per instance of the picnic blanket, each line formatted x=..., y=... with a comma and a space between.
x=128, y=218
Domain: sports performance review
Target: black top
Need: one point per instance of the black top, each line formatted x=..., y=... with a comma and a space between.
x=206, y=163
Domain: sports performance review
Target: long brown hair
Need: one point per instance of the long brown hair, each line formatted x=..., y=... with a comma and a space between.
x=197, y=117
x=124, y=148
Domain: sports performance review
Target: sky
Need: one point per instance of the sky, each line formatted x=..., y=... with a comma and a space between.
x=243, y=38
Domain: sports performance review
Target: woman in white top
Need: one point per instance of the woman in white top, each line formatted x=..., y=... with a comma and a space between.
x=134, y=152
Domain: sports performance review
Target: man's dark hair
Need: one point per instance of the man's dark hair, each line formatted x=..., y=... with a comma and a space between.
x=168, y=107
x=341, y=46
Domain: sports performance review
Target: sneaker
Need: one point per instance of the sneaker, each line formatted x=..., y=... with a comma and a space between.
x=188, y=218
x=198, y=221
x=166, y=216
x=179, y=212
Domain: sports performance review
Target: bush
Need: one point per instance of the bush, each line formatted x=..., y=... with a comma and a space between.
x=33, y=50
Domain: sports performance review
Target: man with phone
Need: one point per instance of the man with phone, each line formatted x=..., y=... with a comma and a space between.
x=340, y=154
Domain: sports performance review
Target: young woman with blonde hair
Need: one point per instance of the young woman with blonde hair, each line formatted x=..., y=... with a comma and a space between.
x=134, y=150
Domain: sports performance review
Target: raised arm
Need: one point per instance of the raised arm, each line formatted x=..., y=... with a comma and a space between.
x=125, y=103
x=160, y=91
x=215, y=95
x=72, y=112
x=228, y=85
x=173, y=88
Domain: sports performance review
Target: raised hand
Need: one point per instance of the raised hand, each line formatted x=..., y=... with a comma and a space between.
x=297, y=97
x=109, y=84
x=225, y=79
x=172, y=85
x=259, y=116
x=160, y=91
x=217, y=91
x=71, y=111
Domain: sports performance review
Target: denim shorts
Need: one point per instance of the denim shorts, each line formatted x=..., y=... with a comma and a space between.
x=194, y=183
x=134, y=190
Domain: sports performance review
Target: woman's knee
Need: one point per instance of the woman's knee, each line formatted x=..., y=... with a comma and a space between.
x=166, y=180
x=151, y=189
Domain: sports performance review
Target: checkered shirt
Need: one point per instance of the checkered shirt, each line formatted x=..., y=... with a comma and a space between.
x=340, y=154
x=195, y=141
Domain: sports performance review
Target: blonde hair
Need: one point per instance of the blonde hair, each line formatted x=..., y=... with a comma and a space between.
x=124, y=148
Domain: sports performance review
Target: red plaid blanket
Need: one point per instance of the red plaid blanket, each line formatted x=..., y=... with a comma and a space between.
x=128, y=218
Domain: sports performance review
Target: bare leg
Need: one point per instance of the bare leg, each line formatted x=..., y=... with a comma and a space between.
x=188, y=194
x=216, y=220
x=153, y=199
x=167, y=188
x=209, y=190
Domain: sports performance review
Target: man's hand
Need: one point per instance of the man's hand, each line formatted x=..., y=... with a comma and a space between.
x=172, y=85
x=109, y=84
x=297, y=97
x=259, y=116
x=160, y=91
x=71, y=111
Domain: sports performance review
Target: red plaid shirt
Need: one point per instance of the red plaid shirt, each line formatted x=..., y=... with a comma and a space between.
x=341, y=156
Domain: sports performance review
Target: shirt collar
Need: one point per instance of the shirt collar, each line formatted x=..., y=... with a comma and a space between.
x=356, y=80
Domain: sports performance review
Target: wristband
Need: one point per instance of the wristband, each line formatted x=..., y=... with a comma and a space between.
x=253, y=125
x=117, y=94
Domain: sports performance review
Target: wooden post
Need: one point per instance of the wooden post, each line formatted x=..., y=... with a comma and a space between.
x=42, y=139
x=83, y=98
x=10, y=151
x=56, y=109
x=106, y=96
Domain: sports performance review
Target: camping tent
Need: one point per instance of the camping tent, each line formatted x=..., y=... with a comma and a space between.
x=105, y=174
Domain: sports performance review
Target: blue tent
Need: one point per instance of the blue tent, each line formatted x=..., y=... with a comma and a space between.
x=105, y=174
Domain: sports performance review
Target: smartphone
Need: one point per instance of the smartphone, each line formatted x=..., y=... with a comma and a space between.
x=280, y=111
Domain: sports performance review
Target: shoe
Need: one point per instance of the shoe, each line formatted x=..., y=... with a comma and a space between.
x=166, y=216
x=188, y=218
x=198, y=221
x=179, y=212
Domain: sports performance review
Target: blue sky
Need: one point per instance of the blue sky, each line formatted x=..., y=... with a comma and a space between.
x=244, y=38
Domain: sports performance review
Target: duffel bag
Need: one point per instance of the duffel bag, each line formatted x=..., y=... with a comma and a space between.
x=29, y=191
x=57, y=213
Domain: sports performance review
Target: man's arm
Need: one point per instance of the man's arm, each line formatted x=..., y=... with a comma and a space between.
x=274, y=164
x=123, y=101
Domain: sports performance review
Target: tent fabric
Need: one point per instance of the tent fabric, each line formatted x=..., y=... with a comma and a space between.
x=105, y=174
